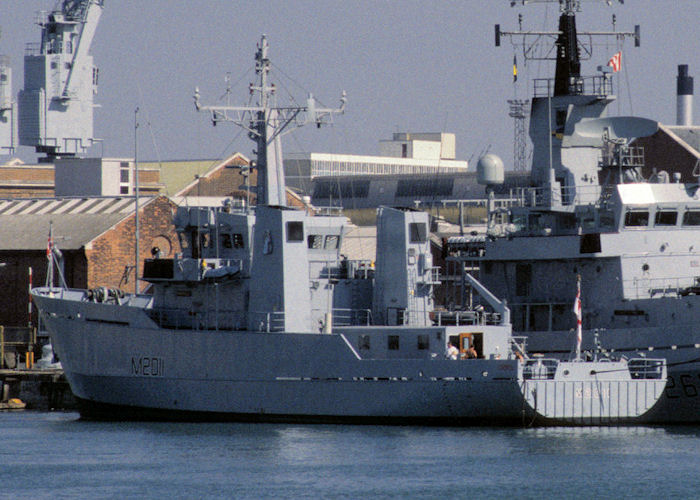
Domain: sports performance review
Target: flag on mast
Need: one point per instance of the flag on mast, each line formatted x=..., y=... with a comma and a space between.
x=515, y=68
x=615, y=62
x=579, y=315
x=49, y=245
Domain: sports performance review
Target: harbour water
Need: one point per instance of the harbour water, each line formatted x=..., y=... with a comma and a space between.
x=56, y=455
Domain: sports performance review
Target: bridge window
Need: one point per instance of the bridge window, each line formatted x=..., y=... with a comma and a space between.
x=666, y=218
x=295, y=231
x=331, y=241
x=315, y=241
x=418, y=232
x=691, y=218
x=637, y=218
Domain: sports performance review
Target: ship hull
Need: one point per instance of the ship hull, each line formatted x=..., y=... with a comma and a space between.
x=678, y=344
x=118, y=370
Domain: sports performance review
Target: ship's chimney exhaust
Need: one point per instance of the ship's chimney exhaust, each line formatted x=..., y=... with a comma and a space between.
x=684, y=103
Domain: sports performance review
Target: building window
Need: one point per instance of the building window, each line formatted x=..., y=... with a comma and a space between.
x=124, y=177
x=436, y=186
x=393, y=342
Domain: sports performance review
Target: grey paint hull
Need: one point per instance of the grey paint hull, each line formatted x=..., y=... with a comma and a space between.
x=254, y=376
x=678, y=344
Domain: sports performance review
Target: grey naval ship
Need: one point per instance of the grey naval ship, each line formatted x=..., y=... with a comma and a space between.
x=261, y=318
x=588, y=212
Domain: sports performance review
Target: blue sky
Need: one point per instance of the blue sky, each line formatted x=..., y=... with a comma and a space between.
x=406, y=66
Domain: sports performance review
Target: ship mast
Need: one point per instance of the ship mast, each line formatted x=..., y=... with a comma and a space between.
x=571, y=45
x=567, y=77
x=266, y=123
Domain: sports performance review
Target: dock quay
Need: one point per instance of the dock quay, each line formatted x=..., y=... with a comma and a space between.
x=38, y=389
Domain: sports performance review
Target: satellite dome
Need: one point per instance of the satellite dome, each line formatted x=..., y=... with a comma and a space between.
x=490, y=170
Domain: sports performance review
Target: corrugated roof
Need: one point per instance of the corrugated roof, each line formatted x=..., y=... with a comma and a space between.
x=24, y=224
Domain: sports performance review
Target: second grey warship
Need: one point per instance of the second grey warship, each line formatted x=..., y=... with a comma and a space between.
x=589, y=212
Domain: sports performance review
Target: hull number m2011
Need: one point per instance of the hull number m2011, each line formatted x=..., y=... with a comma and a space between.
x=147, y=366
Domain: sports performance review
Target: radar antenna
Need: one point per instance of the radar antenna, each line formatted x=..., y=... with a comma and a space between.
x=266, y=123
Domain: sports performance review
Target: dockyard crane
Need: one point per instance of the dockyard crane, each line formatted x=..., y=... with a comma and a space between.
x=60, y=81
x=8, y=120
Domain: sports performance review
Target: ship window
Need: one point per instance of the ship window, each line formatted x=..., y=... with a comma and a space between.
x=666, y=218
x=332, y=242
x=183, y=240
x=363, y=342
x=691, y=218
x=636, y=218
x=237, y=240
x=295, y=231
x=226, y=240
x=590, y=243
x=607, y=219
x=523, y=277
x=204, y=240
x=315, y=241
x=561, y=119
x=417, y=232
x=423, y=342
x=393, y=342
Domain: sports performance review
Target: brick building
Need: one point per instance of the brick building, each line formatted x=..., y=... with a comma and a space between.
x=95, y=237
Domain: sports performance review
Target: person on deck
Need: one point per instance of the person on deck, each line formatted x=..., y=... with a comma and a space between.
x=452, y=352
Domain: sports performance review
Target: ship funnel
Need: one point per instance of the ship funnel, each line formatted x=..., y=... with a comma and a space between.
x=684, y=102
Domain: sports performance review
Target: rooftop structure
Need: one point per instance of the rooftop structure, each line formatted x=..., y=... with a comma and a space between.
x=405, y=154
